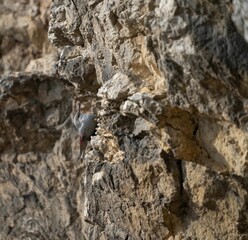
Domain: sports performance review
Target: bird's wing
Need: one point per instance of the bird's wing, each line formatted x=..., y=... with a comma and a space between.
x=81, y=118
x=81, y=130
x=87, y=129
x=90, y=125
x=77, y=125
x=76, y=121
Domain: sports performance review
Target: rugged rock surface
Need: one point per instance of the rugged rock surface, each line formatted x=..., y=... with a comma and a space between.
x=168, y=81
x=36, y=155
x=23, y=35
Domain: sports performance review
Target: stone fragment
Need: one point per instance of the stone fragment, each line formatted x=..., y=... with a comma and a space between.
x=117, y=88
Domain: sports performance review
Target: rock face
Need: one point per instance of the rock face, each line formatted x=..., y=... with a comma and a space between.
x=168, y=81
x=23, y=34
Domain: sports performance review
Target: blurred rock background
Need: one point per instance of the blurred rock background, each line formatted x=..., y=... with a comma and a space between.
x=168, y=81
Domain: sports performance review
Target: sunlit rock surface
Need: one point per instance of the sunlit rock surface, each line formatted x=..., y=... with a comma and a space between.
x=168, y=82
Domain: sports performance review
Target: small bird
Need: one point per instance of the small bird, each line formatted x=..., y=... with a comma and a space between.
x=86, y=125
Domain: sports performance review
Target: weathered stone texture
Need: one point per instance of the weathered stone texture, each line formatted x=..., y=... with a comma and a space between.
x=173, y=77
x=168, y=81
x=239, y=17
x=38, y=159
x=23, y=36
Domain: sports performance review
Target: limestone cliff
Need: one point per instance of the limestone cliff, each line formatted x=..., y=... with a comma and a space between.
x=168, y=82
